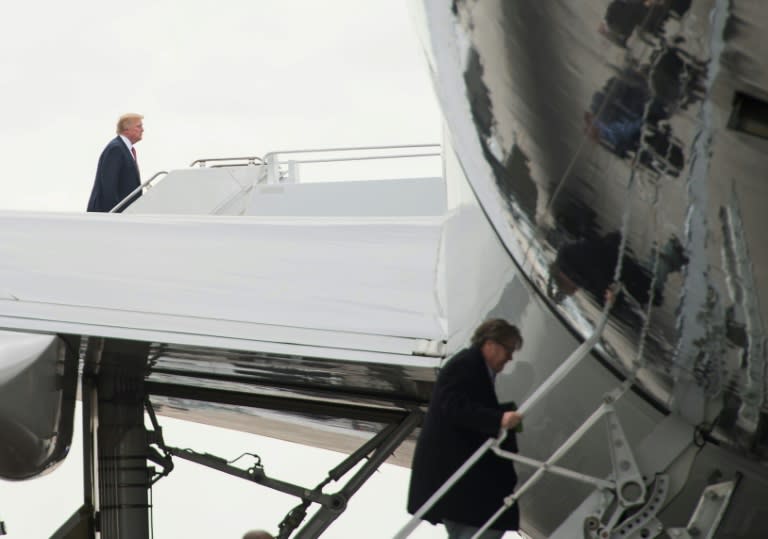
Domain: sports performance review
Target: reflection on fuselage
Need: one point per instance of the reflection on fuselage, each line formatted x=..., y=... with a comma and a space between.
x=603, y=129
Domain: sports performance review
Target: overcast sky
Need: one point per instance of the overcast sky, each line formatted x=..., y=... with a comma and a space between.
x=225, y=78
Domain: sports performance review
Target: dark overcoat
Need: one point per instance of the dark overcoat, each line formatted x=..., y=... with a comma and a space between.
x=117, y=175
x=463, y=413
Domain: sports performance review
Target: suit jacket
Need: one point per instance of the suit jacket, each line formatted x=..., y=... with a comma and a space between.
x=116, y=176
x=463, y=413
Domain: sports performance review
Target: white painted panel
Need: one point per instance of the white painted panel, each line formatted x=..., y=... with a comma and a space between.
x=374, y=198
x=215, y=277
x=195, y=191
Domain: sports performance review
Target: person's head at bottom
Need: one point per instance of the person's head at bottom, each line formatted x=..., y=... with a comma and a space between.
x=257, y=534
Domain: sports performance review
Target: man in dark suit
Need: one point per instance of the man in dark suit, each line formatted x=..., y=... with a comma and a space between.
x=117, y=174
x=463, y=413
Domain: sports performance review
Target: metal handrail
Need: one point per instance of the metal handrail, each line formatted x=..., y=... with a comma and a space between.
x=267, y=159
x=547, y=466
x=354, y=149
x=272, y=159
x=568, y=365
x=368, y=158
x=122, y=203
x=250, y=160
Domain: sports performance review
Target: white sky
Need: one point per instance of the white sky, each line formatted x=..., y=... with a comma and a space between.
x=213, y=79
x=225, y=78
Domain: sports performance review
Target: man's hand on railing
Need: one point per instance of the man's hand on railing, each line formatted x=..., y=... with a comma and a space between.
x=510, y=420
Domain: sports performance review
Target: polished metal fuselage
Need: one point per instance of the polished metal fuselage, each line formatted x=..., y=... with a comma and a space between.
x=597, y=138
x=620, y=142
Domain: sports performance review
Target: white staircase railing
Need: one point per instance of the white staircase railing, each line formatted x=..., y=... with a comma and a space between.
x=120, y=205
x=285, y=166
x=494, y=444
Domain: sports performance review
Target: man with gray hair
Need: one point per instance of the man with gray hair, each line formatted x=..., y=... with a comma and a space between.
x=117, y=174
x=463, y=413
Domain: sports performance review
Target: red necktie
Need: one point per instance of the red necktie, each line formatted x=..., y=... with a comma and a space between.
x=133, y=152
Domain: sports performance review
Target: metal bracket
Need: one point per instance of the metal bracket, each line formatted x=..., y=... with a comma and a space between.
x=644, y=524
x=630, y=490
x=256, y=474
x=630, y=487
x=155, y=437
x=708, y=514
x=598, y=515
x=376, y=451
x=625, y=469
x=596, y=506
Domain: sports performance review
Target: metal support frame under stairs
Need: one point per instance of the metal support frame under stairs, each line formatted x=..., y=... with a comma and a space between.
x=118, y=449
x=376, y=451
